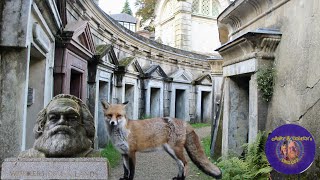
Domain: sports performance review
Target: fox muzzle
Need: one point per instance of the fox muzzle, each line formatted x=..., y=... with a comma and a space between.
x=113, y=123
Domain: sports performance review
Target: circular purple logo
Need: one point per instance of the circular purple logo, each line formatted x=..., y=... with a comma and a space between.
x=290, y=149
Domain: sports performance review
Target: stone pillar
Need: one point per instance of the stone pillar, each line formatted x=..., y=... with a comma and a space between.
x=14, y=65
x=253, y=108
x=216, y=96
x=14, y=70
x=225, y=125
x=182, y=25
x=91, y=105
x=217, y=82
x=258, y=109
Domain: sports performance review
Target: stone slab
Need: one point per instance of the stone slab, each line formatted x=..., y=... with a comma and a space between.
x=55, y=168
x=244, y=67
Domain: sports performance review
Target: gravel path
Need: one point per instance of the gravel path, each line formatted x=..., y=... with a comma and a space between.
x=157, y=165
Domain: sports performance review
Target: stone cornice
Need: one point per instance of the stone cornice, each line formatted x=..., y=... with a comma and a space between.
x=238, y=15
x=119, y=35
x=259, y=44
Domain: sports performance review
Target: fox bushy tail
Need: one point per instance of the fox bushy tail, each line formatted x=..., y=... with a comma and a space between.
x=197, y=155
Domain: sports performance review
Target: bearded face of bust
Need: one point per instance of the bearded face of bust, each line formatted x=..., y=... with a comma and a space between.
x=64, y=133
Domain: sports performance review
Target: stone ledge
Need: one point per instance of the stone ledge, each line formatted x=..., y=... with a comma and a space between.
x=55, y=168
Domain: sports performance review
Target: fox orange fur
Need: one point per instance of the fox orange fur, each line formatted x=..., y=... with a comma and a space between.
x=173, y=135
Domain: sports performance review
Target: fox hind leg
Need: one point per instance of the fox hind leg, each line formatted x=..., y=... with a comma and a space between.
x=177, y=154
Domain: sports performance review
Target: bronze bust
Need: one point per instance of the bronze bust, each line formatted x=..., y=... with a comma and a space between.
x=64, y=128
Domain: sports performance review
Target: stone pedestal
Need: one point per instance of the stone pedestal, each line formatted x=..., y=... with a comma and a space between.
x=55, y=168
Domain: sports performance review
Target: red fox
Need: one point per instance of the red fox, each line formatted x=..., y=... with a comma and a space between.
x=173, y=135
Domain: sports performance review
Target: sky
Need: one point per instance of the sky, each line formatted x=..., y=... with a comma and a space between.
x=115, y=6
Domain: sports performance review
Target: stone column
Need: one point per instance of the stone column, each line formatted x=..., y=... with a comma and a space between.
x=258, y=109
x=182, y=23
x=253, y=108
x=225, y=125
x=216, y=90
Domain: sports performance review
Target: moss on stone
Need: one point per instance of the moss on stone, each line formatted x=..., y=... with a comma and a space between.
x=101, y=49
x=126, y=61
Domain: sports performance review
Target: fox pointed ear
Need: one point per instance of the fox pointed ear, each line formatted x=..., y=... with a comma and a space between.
x=105, y=104
x=125, y=103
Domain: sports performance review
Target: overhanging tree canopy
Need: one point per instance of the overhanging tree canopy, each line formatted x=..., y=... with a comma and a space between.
x=145, y=9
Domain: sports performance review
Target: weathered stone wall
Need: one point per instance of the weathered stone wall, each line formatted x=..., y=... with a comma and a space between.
x=26, y=37
x=12, y=99
x=297, y=90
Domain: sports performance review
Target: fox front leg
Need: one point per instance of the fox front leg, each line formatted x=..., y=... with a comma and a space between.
x=125, y=159
x=129, y=162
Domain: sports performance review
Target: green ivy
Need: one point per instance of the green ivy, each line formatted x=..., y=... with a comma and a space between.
x=265, y=80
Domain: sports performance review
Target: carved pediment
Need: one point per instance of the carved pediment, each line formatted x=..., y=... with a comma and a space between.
x=76, y=36
x=182, y=76
x=81, y=34
x=131, y=65
x=105, y=53
x=155, y=71
x=203, y=80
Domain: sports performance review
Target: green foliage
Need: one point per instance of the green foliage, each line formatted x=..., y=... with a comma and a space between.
x=265, y=79
x=126, y=8
x=199, y=125
x=206, y=145
x=145, y=117
x=145, y=9
x=111, y=154
x=254, y=165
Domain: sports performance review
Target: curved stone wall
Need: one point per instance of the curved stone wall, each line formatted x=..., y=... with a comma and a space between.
x=156, y=79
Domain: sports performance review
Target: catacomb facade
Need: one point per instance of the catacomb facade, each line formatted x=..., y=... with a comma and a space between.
x=73, y=47
x=244, y=109
x=261, y=34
